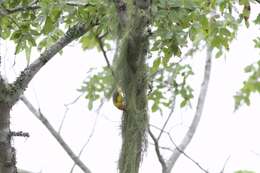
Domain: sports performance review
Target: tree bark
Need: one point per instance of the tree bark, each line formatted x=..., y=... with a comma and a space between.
x=130, y=74
x=7, y=152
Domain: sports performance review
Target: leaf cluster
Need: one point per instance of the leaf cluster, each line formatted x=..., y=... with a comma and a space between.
x=98, y=85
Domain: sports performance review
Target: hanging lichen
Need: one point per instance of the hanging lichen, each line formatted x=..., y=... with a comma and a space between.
x=130, y=73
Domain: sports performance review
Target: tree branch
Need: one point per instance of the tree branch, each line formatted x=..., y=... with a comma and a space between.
x=157, y=150
x=67, y=109
x=225, y=164
x=168, y=118
x=28, y=73
x=87, y=142
x=181, y=151
x=201, y=100
x=186, y=155
x=101, y=45
x=55, y=134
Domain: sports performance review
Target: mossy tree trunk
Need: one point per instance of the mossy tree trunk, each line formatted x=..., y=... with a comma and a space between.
x=131, y=76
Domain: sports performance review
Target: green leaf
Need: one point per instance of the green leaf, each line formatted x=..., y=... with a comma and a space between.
x=225, y=31
x=156, y=64
x=16, y=35
x=257, y=20
x=19, y=47
x=90, y=105
x=219, y=53
x=48, y=26
x=55, y=14
x=88, y=42
x=4, y=33
x=249, y=68
x=28, y=54
x=183, y=103
x=30, y=40
x=155, y=107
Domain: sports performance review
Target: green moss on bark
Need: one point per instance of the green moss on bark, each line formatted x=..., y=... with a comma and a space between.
x=130, y=71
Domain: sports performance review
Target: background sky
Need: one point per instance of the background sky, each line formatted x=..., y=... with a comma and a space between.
x=221, y=132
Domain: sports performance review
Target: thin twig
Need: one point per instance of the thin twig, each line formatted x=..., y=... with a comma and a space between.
x=101, y=45
x=168, y=118
x=186, y=155
x=225, y=164
x=38, y=114
x=157, y=149
x=175, y=145
x=87, y=142
x=162, y=147
x=67, y=109
x=100, y=105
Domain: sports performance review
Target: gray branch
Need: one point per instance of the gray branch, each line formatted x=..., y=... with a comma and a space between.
x=157, y=150
x=201, y=100
x=55, y=134
x=28, y=73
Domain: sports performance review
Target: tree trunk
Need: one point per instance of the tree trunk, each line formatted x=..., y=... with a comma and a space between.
x=7, y=152
x=131, y=76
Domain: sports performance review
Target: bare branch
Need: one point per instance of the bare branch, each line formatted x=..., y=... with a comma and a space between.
x=55, y=134
x=28, y=73
x=168, y=118
x=87, y=142
x=181, y=151
x=102, y=101
x=186, y=155
x=201, y=100
x=67, y=109
x=162, y=147
x=101, y=45
x=157, y=150
x=225, y=164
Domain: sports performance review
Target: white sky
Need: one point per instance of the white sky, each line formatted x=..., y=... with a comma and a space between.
x=221, y=132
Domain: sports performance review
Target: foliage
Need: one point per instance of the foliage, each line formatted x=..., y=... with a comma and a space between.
x=244, y=171
x=97, y=86
x=39, y=24
x=177, y=29
x=252, y=84
x=174, y=25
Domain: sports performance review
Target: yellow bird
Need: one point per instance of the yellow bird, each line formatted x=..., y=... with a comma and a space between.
x=119, y=99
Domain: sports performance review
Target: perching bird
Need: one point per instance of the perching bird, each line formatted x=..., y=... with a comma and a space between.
x=119, y=99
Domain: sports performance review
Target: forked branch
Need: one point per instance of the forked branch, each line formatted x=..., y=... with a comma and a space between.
x=55, y=134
